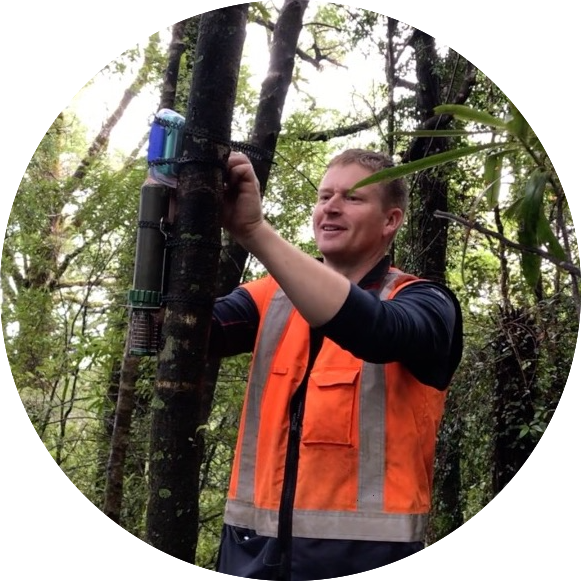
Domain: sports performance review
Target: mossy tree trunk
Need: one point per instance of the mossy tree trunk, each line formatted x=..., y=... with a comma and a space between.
x=176, y=445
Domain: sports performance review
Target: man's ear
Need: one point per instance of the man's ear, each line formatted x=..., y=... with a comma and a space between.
x=393, y=219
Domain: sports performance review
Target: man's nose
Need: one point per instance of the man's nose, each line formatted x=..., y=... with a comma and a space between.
x=333, y=204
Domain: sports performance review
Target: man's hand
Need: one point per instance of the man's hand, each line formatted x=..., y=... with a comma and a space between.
x=242, y=208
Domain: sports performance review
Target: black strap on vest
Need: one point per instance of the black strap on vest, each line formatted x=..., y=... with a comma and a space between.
x=297, y=412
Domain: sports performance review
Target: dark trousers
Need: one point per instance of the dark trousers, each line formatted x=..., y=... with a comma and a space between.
x=245, y=554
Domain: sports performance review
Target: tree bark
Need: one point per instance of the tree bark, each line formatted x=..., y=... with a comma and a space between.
x=176, y=446
x=175, y=52
x=430, y=188
x=120, y=436
x=430, y=195
x=275, y=86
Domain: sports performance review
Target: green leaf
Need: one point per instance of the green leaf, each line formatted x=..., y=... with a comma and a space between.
x=532, y=203
x=435, y=133
x=528, y=235
x=437, y=159
x=547, y=236
x=492, y=176
x=466, y=113
x=531, y=263
x=514, y=211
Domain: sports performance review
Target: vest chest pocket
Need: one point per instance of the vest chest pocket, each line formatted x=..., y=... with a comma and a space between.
x=329, y=406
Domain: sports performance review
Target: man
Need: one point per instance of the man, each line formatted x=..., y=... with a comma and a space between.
x=351, y=360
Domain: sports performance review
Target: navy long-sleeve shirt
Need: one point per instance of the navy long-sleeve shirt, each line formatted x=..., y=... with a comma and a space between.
x=421, y=327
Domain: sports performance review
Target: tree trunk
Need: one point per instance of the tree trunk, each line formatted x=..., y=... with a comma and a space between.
x=120, y=436
x=175, y=52
x=430, y=189
x=430, y=193
x=129, y=373
x=175, y=450
x=264, y=137
x=277, y=81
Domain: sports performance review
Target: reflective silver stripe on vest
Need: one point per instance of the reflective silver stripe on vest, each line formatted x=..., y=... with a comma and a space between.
x=372, y=403
x=275, y=321
x=369, y=521
x=372, y=406
x=327, y=524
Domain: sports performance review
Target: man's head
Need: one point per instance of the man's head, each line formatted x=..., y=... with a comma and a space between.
x=395, y=192
x=354, y=228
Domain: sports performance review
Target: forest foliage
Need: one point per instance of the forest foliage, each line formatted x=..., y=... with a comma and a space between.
x=488, y=215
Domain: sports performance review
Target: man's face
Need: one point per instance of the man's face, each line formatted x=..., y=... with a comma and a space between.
x=352, y=228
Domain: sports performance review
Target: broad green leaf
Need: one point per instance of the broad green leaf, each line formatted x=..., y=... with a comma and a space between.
x=547, y=236
x=532, y=203
x=530, y=211
x=437, y=159
x=435, y=133
x=531, y=263
x=492, y=177
x=468, y=114
x=534, y=228
x=514, y=211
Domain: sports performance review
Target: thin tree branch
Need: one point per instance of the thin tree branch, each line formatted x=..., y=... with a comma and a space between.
x=473, y=225
x=102, y=139
x=300, y=53
x=175, y=51
x=346, y=130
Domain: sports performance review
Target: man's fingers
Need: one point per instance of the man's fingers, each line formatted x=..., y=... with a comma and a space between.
x=236, y=158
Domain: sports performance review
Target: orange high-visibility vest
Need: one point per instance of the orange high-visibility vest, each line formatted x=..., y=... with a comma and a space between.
x=368, y=436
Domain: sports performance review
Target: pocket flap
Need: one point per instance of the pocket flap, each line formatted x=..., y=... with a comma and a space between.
x=329, y=377
x=280, y=370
